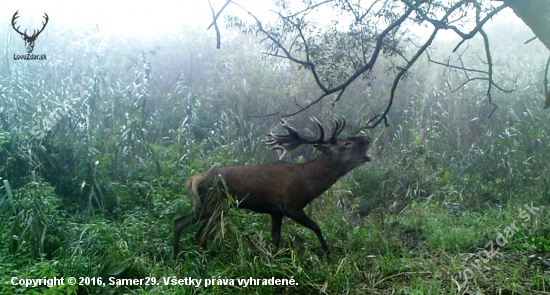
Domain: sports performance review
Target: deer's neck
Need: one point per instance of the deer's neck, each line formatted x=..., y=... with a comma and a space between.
x=321, y=173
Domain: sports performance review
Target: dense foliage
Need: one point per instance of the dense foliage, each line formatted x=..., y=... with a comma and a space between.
x=98, y=141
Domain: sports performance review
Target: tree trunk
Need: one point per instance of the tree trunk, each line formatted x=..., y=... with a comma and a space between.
x=536, y=15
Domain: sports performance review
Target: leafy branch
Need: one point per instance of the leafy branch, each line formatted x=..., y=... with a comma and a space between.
x=337, y=57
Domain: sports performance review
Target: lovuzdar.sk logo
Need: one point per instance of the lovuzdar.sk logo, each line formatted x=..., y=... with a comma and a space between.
x=29, y=40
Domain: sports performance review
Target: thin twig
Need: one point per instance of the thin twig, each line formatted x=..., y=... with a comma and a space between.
x=215, y=22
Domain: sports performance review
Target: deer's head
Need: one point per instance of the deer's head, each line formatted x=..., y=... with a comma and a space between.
x=29, y=40
x=348, y=153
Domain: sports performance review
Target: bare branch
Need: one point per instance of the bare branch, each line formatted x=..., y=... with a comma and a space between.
x=215, y=19
x=402, y=72
x=262, y=116
x=490, y=72
x=310, y=8
x=215, y=23
x=478, y=29
x=447, y=64
x=398, y=78
x=360, y=19
x=468, y=80
x=529, y=40
x=479, y=25
x=338, y=97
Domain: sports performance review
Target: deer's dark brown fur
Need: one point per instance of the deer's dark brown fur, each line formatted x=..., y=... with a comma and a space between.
x=280, y=188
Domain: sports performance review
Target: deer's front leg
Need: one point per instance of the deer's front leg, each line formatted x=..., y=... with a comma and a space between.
x=276, y=222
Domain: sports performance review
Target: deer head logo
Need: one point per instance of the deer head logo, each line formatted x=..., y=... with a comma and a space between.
x=29, y=40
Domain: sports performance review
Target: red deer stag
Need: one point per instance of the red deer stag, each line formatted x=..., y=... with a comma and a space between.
x=280, y=188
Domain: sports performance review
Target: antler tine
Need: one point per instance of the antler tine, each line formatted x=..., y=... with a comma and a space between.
x=285, y=143
x=47, y=18
x=37, y=32
x=321, y=129
x=338, y=125
x=335, y=125
x=342, y=125
x=13, y=19
x=280, y=147
x=278, y=139
x=288, y=142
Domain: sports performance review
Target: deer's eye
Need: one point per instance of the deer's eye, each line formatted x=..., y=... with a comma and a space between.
x=347, y=143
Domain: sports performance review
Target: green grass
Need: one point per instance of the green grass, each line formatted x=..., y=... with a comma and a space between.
x=424, y=249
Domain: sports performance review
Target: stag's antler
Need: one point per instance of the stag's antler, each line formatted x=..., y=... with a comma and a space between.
x=288, y=142
x=35, y=33
x=29, y=40
x=46, y=18
x=15, y=16
x=337, y=127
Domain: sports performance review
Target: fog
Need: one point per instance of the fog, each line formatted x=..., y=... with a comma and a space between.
x=124, y=17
